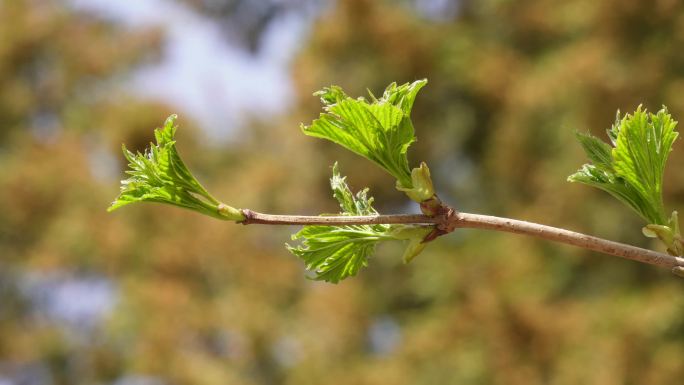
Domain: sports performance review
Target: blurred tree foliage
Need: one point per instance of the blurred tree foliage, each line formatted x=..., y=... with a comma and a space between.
x=202, y=302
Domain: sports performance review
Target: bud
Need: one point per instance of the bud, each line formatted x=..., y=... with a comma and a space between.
x=422, y=188
x=415, y=235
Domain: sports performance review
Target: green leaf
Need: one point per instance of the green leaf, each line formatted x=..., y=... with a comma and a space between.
x=337, y=252
x=380, y=131
x=415, y=235
x=643, y=144
x=632, y=170
x=160, y=175
x=598, y=151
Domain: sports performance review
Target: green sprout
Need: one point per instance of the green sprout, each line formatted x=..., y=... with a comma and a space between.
x=337, y=252
x=380, y=131
x=159, y=175
x=632, y=169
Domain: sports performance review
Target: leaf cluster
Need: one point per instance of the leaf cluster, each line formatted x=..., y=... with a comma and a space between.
x=380, y=130
x=334, y=253
x=160, y=175
x=632, y=169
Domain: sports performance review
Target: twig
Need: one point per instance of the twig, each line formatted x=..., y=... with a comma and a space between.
x=477, y=221
x=253, y=217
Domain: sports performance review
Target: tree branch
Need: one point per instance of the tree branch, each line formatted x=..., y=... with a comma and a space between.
x=253, y=217
x=477, y=221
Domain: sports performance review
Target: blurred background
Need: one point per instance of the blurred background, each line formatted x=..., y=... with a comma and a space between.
x=154, y=295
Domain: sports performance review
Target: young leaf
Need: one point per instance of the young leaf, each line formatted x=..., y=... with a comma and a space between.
x=337, y=252
x=415, y=235
x=159, y=175
x=643, y=144
x=632, y=170
x=669, y=235
x=380, y=131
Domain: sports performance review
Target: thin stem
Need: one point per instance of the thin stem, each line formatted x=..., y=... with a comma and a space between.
x=253, y=217
x=477, y=221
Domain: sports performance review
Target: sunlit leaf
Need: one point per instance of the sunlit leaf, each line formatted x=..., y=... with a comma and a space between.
x=334, y=253
x=380, y=130
x=632, y=170
x=337, y=252
x=159, y=175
